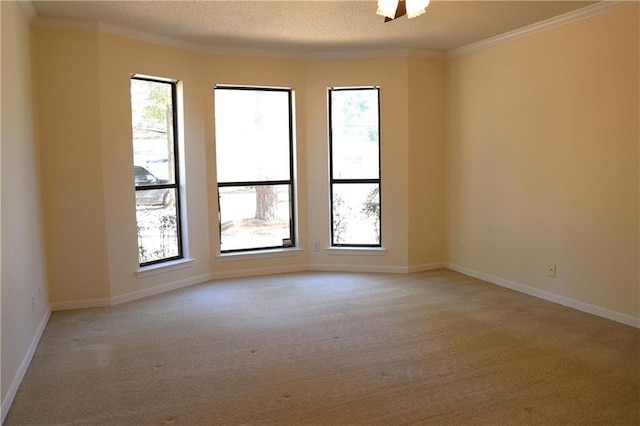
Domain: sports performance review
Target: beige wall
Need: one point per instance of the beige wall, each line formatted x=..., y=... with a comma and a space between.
x=512, y=120
x=85, y=78
x=198, y=73
x=543, y=161
x=23, y=262
x=119, y=58
x=392, y=76
x=500, y=161
x=426, y=161
x=100, y=260
x=67, y=84
x=254, y=71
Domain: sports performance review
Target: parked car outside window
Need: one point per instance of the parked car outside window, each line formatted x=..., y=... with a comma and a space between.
x=151, y=197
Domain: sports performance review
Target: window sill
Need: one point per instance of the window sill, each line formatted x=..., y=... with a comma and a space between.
x=259, y=254
x=357, y=251
x=161, y=268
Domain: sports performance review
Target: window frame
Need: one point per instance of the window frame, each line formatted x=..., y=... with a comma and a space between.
x=290, y=181
x=176, y=166
x=333, y=181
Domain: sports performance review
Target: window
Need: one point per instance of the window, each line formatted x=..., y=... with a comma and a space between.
x=155, y=165
x=354, y=151
x=254, y=159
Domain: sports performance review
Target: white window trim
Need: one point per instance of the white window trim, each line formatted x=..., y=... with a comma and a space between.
x=161, y=268
x=259, y=254
x=357, y=251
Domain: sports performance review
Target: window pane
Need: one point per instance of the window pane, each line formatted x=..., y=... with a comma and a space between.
x=355, y=136
x=253, y=217
x=152, y=120
x=252, y=135
x=356, y=213
x=157, y=224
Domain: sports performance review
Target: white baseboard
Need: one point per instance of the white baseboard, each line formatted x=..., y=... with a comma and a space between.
x=128, y=297
x=81, y=304
x=552, y=297
x=561, y=300
x=109, y=301
x=259, y=271
x=427, y=267
x=17, y=379
x=358, y=268
x=376, y=268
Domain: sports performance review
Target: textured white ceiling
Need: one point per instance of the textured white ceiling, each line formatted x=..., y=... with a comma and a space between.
x=312, y=26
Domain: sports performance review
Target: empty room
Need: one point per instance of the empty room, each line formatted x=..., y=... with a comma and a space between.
x=320, y=212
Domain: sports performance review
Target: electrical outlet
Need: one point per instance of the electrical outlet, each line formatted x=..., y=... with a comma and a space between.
x=461, y=248
x=33, y=304
x=551, y=270
x=316, y=246
x=40, y=295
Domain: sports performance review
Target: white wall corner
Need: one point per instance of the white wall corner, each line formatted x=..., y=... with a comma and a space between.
x=17, y=379
x=29, y=10
x=551, y=297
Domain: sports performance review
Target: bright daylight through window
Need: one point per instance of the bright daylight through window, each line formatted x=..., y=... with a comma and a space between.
x=153, y=116
x=354, y=144
x=254, y=158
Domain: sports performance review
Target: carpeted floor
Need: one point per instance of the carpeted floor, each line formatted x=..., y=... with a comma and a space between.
x=333, y=348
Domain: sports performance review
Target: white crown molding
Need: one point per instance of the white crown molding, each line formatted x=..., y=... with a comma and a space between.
x=567, y=18
x=64, y=23
x=84, y=25
x=245, y=51
x=375, y=53
x=193, y=47
x=428, y=54
x=148, y=37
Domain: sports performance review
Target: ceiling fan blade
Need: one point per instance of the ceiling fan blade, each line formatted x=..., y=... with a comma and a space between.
x=400, y=11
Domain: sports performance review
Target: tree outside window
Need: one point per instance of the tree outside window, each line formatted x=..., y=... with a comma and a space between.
x=354, y=143
x=254, y=161
x=156, y=174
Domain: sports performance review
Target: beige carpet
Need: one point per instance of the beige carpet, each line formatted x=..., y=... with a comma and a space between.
x=334, y=348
